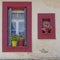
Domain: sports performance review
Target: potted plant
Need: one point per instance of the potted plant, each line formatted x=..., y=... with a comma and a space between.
x=21, y=40
x=14, y=40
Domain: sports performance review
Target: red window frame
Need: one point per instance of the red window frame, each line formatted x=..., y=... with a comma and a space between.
x=16, y=5
x=50, y=16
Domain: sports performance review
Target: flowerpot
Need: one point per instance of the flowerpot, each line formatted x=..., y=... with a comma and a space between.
x=20, y=43
x=14, y=43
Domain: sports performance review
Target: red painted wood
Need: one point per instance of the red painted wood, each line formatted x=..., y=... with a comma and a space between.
x=50, y=16
x=17, y=8
x=16, y=5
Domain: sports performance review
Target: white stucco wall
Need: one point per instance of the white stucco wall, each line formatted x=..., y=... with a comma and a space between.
x=51, y=46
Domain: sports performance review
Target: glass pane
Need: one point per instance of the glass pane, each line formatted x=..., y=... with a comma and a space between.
x=18, y=28
x=18, y=16
x=46, y=26
x=21, y=16
x=14, y=16
x=13, y=32
x=13, y=26
x=21, y=27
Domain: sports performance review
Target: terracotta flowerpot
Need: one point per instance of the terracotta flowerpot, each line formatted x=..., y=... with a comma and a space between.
x=20, y=43
x=14, y=43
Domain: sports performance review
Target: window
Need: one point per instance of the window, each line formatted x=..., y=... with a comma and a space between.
x=46, y=26
x=17, y=27
x=17, y=24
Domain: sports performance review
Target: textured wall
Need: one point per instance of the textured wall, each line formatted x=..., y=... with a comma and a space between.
x=40, y=48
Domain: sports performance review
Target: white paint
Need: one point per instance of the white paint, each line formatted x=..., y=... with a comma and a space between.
x=17, y=24
x=52, y=46
x=18, y=11
x=18, y=20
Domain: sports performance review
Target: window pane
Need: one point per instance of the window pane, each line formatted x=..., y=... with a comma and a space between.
x=14, y=16
x=13, y=32
x=13, y=27
x=46, y=26
x=21, y=27
x=18, y=29
x=21, y=16
x=18, y=16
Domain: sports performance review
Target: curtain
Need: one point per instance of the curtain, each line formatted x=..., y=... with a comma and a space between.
x=9, y=25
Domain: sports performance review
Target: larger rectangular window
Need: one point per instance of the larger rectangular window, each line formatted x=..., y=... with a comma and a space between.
x=17, y=27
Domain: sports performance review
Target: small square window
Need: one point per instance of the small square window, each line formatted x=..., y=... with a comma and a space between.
x=46, y=26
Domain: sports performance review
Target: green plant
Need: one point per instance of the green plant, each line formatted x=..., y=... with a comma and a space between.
x=21, y=37
x=14, y=37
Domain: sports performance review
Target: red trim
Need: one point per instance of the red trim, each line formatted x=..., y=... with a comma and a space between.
x=5, y=47
x=50, y=16
x=17, y=8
